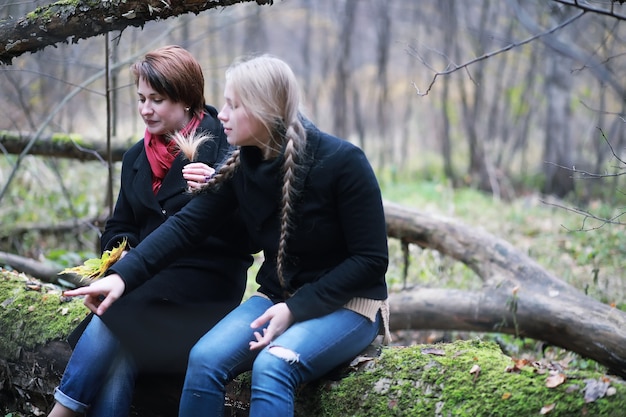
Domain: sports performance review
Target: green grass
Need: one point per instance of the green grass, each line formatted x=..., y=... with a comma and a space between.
x=591, y=259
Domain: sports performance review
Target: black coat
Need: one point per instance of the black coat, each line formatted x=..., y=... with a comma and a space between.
x=337, y=249
x=162, y=319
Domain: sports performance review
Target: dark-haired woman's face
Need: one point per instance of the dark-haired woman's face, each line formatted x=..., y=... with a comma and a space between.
x=240, y=127
x=161, y=115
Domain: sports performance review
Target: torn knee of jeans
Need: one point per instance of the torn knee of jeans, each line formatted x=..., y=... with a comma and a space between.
x=287, y=354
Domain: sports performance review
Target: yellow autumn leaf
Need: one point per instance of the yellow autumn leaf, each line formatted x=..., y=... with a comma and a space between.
x=94, y=268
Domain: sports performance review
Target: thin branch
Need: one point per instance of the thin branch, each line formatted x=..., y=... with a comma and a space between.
x=496, y=52
x=611, y=147
x=588, y=215
x=619, y=115
x=585, y=6
x=582, y=175
x=615, y=220
x=40, y=74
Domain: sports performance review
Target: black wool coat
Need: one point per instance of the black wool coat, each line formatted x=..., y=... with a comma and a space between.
x=160, y=320
x=337, y=247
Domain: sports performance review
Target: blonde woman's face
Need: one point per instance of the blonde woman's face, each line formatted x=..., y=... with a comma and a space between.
x=239, y=126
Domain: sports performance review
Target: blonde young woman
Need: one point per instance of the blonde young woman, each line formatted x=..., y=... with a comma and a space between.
x=311, y=202
x=152, y=328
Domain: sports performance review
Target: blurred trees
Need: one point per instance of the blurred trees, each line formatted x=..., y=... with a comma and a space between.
x=503, y=96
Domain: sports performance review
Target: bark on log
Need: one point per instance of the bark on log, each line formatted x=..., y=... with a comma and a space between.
x=60, y=146
x=518, y=296
x=65, y=22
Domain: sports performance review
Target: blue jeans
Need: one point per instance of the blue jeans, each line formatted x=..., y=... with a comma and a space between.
x=100, y=376
x=304, y=352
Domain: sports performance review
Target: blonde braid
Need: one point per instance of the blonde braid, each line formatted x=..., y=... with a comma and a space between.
x=223, y=173
x=289, y=192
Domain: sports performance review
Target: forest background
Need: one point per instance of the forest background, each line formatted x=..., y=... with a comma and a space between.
x=506, y=114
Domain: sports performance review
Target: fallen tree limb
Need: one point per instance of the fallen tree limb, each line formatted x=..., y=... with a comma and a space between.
x=40, y=270
x=68, y=226
x=518, y=296
x=65, y=22
x=60, y=146
x=462, y=378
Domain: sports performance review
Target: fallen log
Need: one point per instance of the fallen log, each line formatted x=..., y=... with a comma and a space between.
x=469, y=377
x=63, y=22
x=61, y=146
x=518, y=296
x=36, y=269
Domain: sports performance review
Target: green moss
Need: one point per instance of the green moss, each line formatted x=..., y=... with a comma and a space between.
x=59, y=8
x=421, y=380
x=31, y=317
x=71, y=138
x=409, y=381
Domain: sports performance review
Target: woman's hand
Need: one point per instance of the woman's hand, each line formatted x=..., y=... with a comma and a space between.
x=197, y=175
x=279, y=317
x=100, y=294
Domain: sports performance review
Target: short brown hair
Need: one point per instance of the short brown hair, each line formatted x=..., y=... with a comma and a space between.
x=173, y=72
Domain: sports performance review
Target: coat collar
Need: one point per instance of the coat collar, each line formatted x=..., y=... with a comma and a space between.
x=263, y=179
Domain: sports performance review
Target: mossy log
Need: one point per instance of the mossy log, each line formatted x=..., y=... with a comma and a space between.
x=453, y=379
x=517, y=297
x=61, y=146
x=70, y=21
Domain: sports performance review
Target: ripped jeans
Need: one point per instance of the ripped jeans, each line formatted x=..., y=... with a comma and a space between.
x=306, y=351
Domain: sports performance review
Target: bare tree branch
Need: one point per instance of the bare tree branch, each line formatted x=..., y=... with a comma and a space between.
x=58, y=107
x=610, y=10
x=570, y=50
x=589, y=216
x=453, y=67
x=578, y=174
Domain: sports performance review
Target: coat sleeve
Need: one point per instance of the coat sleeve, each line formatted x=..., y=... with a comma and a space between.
x=177, y=234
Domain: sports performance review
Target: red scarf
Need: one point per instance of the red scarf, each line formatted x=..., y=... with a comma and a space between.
x=161, y=152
